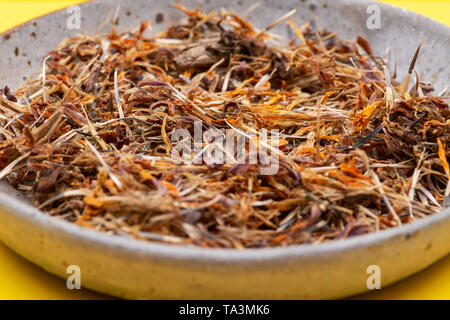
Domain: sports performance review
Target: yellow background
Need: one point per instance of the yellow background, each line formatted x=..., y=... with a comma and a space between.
x=20, y=279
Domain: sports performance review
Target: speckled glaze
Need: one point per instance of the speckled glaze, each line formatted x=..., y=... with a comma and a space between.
x=130, y=268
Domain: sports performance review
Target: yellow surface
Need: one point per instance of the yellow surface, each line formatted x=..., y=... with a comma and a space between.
x=436, y=9
x=20, y=279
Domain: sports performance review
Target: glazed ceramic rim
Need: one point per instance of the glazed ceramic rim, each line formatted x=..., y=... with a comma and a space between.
x=216, y=254
x=219, y=255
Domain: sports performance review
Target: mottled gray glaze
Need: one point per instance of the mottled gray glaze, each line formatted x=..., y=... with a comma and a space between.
x=132, y=269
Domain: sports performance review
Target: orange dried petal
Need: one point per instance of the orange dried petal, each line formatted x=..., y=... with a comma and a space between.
x=443, y=158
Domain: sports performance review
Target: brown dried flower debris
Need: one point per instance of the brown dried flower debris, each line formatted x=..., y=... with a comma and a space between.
x=90, y=140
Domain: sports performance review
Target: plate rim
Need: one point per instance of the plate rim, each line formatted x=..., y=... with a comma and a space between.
x=219, y=255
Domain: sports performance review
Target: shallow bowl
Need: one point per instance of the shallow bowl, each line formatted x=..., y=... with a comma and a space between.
x=130, y=268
